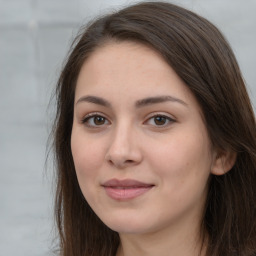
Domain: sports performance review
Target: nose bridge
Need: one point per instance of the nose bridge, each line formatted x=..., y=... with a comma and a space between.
x=122, y=138
x=123, y=149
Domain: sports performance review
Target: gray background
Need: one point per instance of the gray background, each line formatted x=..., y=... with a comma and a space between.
x=34, y=38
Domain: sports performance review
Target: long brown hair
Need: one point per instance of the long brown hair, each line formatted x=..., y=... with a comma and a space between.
x=203, y=59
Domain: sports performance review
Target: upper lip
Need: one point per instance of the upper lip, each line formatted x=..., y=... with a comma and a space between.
x=127, y=183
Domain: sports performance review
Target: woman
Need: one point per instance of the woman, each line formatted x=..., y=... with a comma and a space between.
x=154, y=139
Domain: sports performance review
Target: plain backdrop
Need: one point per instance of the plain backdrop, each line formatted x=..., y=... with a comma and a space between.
x=34, y=39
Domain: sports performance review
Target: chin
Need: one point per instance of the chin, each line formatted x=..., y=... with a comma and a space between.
x=128, y=225
x=128, y=229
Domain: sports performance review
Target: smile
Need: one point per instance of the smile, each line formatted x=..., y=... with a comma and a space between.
x=125, y=189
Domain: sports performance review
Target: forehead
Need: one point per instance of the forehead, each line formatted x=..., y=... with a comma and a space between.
x=125, y=54
x=129, y=69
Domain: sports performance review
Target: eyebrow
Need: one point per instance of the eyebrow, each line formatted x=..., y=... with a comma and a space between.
x=138, y=103
x=158, y=99
x=95, y=100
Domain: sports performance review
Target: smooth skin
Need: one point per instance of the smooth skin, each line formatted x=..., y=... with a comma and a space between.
x=134, y=118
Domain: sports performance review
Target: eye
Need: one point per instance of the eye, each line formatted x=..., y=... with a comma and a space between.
x=160, y=120
x=95, y=120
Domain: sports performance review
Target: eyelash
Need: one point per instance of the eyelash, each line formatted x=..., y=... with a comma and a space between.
x=167, y=120
x=92, y=116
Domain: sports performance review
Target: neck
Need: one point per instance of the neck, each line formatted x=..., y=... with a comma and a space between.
x=164, y=243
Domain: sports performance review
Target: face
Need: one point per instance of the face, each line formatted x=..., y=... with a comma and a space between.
x=140, y=147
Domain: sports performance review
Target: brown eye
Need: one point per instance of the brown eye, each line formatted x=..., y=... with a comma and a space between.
x=95, y=121
x=99, y=120
x=160, y=120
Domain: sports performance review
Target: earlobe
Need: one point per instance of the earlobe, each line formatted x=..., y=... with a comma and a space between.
x=223, y=162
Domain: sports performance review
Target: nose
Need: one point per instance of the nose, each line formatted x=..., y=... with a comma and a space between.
x=124, y=150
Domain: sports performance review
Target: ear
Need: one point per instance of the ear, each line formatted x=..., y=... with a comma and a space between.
x=223, y=161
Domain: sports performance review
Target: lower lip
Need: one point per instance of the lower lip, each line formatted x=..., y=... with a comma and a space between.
x=126, y=193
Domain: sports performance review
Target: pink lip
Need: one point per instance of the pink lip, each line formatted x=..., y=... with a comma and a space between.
x=125, y=189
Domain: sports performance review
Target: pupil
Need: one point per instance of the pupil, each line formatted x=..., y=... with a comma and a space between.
x=99, y=120
x=160, y=120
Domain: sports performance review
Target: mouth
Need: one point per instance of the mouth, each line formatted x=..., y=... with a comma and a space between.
x=126, y=189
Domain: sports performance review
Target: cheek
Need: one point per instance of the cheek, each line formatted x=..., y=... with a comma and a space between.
x=87, y=155
x=185, y=158
x=183, y=169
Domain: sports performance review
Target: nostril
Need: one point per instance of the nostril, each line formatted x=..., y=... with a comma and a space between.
x=111, y=162
x=123, y=158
